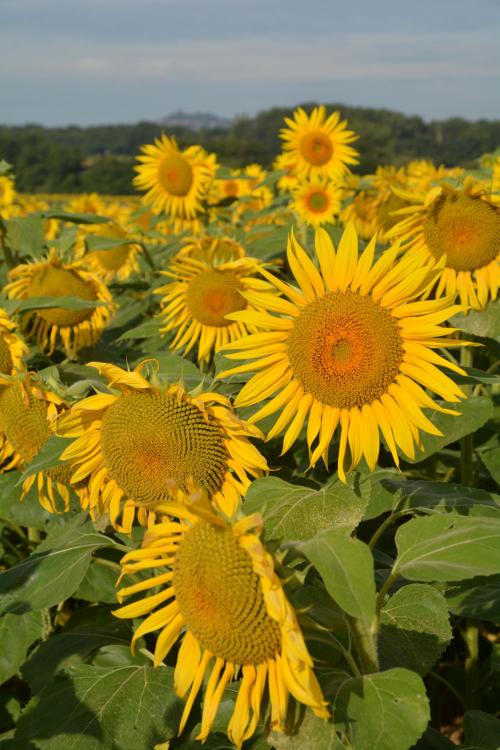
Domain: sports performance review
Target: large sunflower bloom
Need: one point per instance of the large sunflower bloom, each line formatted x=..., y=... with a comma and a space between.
x=464, y=227
x=351, y=347
x=176, y=181
x=318, y=144
x=28, y=415
x=207, y=285
x=54, y=278
x=12, y=348
x=316, y=201
x=223, y=591
x=132, y=443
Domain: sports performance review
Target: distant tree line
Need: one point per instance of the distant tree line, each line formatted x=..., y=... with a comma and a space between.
x=101, y=158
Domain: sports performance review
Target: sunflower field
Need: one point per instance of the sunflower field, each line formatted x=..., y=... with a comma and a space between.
x=249, y=455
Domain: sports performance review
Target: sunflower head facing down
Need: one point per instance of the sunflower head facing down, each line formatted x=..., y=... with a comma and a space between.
x=462, y=228
x=118, y=261
x=206, y=285
x=352, y=347
x=12, y=348
x=215, y=581
x=28, y=417
x=176, y=181
x=54, y=278
x=316, y=201
x=136, y=442
x=319, y=145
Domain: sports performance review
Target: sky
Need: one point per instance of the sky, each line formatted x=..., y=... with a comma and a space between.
x=114, y=61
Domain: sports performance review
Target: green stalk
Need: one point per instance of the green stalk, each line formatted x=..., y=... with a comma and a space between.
x=471, y=668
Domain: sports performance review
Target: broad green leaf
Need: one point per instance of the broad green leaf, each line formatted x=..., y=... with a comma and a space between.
x=174, y=369
x=346, y=567
x=482, y=731
x=434, y=740
x=76, y=218
x=17, y=633
x=483, y=323
x=48, y=456
x=491, y=459
x=27, y=512
x=145, y=330
x=99, y=708
x=98, y=242
x=474, y=413
x=448, y=548
x=44, y=303
x=312, y=733
x=25, y=235
x=383, y=711
x=75, y=645
x=414, y=628
x=478, y=598
x=477, y=376
x=295, y=512
x=453, y=498
x=54, y=571
x=99, y=583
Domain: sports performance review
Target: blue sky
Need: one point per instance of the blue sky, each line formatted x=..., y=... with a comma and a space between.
x=105, y=61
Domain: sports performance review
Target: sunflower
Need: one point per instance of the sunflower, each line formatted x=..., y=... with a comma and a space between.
x=318, y=144
x=207, y=285
x=176, y=181
x=316, y=201
x=7, y=192
x=132, y=443
x=461, y=226
x=28, y=415
x=352, y=347
x=119, y=261
x=12, y=348
x=54, y=278
x=222, y=590
x=288, y=180
x=361, y=213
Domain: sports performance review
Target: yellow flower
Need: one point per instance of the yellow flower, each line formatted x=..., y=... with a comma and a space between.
x=12, y=348
x=176, y=181
x=319, y=144
x=462, y=227
x=208, y=282
x=361, y=213
x=133, y=443
x=7, y=192
x=216, y=581
x=289, y=180
x=117, y=262
x=54, y=278
x=351, y=347
x=28, y=415
x=316, y=201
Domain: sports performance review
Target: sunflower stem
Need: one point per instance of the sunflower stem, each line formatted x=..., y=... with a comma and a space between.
x=471, y=667
x=33, y=535
x=147, y=256
x=365, y=643
x=391, y=518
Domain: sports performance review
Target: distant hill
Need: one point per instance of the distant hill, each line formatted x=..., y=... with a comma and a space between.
x=57, y=159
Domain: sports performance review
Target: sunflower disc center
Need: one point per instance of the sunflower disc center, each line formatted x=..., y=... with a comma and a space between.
x=5, y=357
x=345, y=350
x=317, y=201
x=175, y=175
x=23, y=420
x=113, y=260
x=220, y=596
x=316, y=148
x=150, y=438
x=51, y=281
x=214, y=294
x=467, y=229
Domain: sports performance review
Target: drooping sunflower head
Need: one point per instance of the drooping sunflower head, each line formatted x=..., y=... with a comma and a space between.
x=12, y=347
x=224, y=592
x=28, y=416
x=319, y=144
x=133, y=444
x=176, y=181
x=76, y=328
x=118, y=261
x=203, y=291
x=317, y=201
x=352, y=347
x=461, y=227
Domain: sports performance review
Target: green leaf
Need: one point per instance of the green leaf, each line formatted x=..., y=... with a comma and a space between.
x=433, y=740
x=294, y=512
x=448, y=548
x=478, y=598
x=80, y=639
x=43, y=303
x=455, y=498
x=414, y=628
x=76, y=218
x=474, y=413
x=313, y=733
x=491, y=459
x=17, y=633
x=174, y=369
x=483, y=323
x=29, y=512
x=98, y=708
x=148, y=329
x=482, y=731
x=383, y=711
x=346, y=567
x=25, y=235
x=99, y=584
x=52, y=573
x=98, y=242
x=48, y=456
